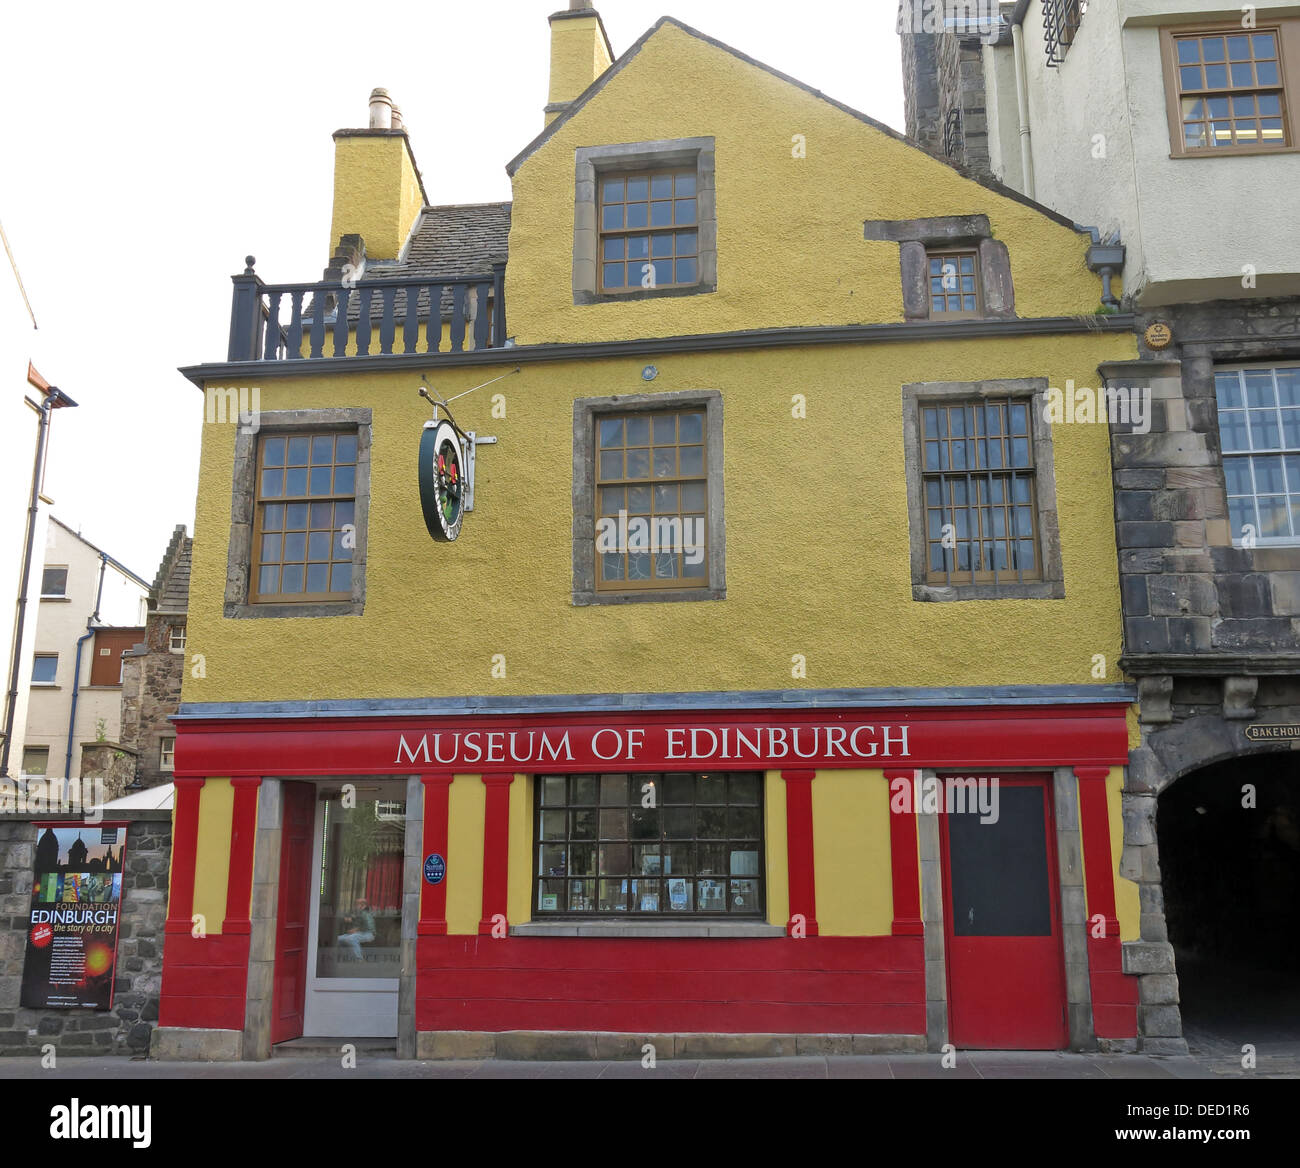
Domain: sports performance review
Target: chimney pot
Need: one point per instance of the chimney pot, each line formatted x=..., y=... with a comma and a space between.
x=381, y=110
x=397, y=122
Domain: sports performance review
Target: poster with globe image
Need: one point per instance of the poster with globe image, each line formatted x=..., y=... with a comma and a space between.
x=75, y=912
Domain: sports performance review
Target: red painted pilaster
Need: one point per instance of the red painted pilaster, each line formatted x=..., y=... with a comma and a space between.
x=799, y=850
x=433, y=897
x=496, y=849
x=185, y=842
x=903, y=857
x=243, y=832
x=1094, y=824
x=1114, y=993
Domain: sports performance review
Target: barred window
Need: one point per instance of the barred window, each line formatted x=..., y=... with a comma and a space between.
x=652, y=501
x=1259, y=433
x=979, y=492
x=678, y=844
x=1061, y=20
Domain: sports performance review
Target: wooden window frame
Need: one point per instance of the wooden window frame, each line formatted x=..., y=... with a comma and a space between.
x=977, y=478
x=680, y=582
x=635, y=786
x=674, y=229
x=957, y=253
x=260, y=503
x=167, y=758
x=22, y=766
x=172, y=646
x=1287, y=31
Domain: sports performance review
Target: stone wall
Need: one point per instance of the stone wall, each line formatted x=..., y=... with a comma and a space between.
x=922, y=119
x=1186, y=589
x=151, y=693
x=127, y=1027
x=1211, y=631
x=943, y=81
x=108, y=763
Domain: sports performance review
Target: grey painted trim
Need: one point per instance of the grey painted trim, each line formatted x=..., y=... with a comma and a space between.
x=619, y=65
x=585, y=412
x=1074, y=912
x=789, y=699
x=412, y=873
x=738, y=339
x=594, y=161
x=239, y=557
x=258, y=1005
x=1052, y=584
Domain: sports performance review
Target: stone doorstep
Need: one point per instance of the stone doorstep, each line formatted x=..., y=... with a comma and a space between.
x=576, y=1045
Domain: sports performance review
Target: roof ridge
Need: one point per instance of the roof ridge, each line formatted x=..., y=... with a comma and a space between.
x=456, y=206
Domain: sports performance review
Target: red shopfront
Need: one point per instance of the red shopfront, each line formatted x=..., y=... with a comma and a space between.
x=538, y=955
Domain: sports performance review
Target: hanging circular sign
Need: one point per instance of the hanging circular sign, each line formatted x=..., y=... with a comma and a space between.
x=435, y=868
x=442, y=481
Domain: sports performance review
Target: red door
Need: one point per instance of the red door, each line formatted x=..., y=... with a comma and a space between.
x=1002, y=920
x=298, y=820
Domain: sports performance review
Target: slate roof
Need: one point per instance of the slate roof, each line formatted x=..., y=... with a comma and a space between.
x=458, y=240
x=171, y=587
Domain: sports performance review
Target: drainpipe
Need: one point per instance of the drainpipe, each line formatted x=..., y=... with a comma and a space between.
x=54, y=398
x=76, y=675
x=1022, y=95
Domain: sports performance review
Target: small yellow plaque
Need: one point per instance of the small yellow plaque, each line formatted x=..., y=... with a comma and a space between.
x=1158, y=335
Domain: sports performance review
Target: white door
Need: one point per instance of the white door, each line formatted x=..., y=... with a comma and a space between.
x=355, y=929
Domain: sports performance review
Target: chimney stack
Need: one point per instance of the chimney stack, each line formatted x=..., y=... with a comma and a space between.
x=378, y=193
x=580, y=54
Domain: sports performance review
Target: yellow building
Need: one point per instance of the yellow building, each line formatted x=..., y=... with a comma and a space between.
x=721, y=656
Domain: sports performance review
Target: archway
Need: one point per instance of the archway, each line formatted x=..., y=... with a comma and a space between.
x=1229, y=841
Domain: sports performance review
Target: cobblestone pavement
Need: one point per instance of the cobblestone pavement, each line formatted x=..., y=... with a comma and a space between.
x=971, y=1065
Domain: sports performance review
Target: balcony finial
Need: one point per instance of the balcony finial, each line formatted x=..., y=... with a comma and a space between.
x=249, y=261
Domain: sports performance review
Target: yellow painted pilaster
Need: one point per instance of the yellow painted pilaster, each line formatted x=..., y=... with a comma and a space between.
x=778, y=865
x=212, y=853
x=466, y=806
x=851, y=853
x=519, y=899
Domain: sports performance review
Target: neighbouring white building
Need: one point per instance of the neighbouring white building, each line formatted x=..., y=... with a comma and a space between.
x=91, y=609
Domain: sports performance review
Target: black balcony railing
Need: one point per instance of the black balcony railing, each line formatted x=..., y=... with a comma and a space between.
x=383, y=317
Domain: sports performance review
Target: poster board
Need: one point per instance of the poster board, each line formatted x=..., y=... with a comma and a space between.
x=75, y=916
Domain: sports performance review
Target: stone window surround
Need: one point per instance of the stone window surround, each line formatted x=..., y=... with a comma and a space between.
x=916, y=236
x=1051, y=585
x=243, y=492
x=593, y=161
x=1063, y=792
x=585, y=412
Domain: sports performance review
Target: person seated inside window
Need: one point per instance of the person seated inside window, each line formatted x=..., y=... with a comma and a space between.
x=358, y=930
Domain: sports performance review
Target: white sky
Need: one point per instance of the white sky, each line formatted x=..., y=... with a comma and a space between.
x=152, y=146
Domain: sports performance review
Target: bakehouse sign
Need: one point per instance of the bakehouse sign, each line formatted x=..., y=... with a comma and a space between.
x=654, y=744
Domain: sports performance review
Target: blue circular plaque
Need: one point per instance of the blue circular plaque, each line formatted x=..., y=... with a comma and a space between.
x=435, y=868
